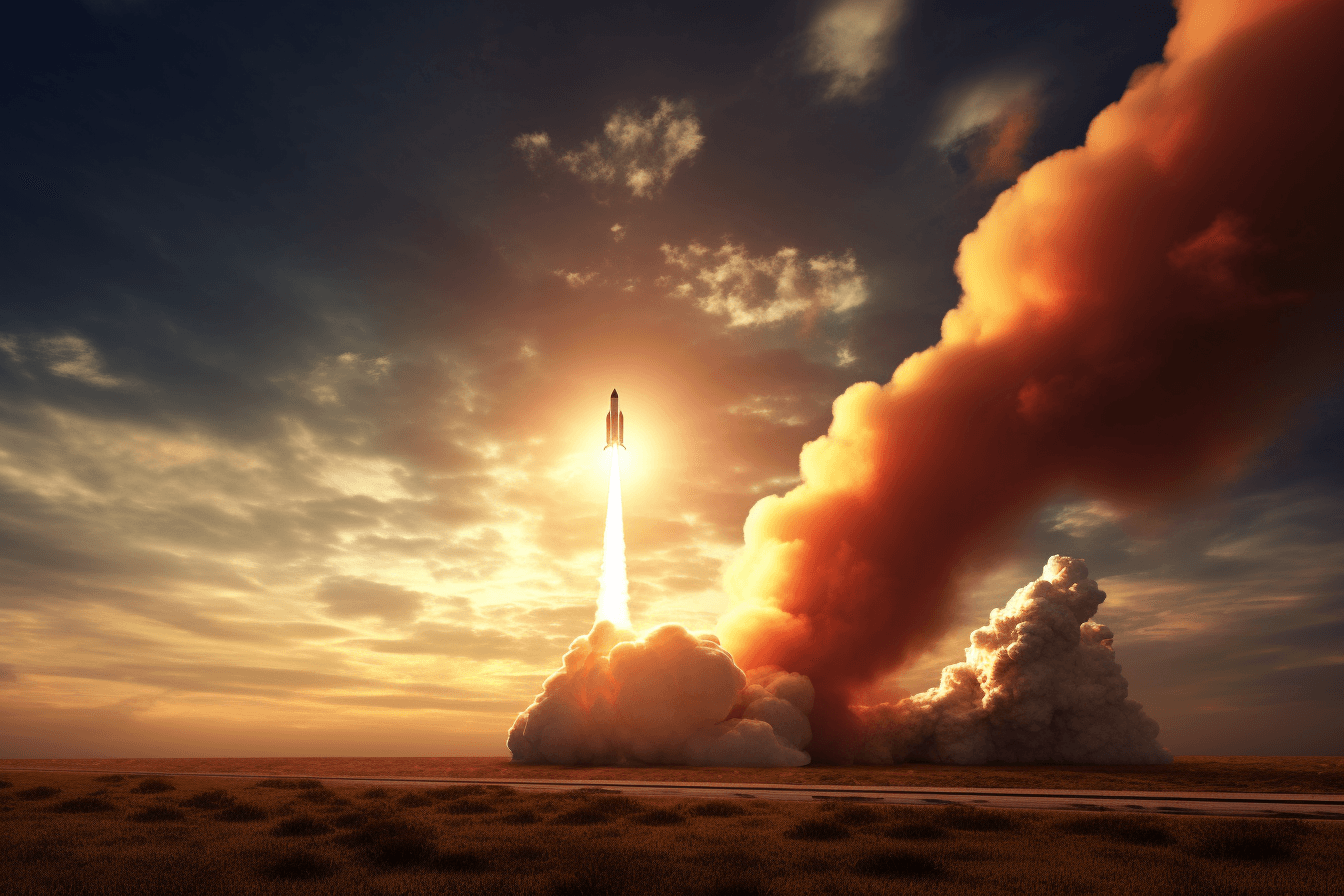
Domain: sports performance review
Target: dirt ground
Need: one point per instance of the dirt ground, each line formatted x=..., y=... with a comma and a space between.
x=117, y=834
x=1264, y=774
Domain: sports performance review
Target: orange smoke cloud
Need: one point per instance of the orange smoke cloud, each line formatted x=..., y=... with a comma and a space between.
x=1000, y=158
x=1139, y=314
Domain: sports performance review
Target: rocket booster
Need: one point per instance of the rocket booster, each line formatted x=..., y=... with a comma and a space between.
x=615, y=423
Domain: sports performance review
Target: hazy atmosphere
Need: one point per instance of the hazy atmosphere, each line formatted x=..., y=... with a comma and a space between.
x=311, y=313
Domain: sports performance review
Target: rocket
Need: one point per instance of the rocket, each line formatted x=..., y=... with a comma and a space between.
x=615, y=423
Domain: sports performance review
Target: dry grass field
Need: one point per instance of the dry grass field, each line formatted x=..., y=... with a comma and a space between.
x=1266, y=774
x=126, y=834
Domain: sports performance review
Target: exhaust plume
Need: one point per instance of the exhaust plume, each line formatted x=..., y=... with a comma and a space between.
x=1040, y=684
x=1138, y=317
x=668, y=698
x=613, y=596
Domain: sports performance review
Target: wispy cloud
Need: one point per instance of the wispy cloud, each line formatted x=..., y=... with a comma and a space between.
x=347, y=597
x=67, y=355
x=755, y=290
x=988, y=122
x=849, y=44
x=635, y=151
x=978, y=104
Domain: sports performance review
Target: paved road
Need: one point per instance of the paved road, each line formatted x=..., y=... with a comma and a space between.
x=1297, y=805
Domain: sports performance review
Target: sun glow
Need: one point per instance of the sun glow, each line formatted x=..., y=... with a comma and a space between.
x=613, y=598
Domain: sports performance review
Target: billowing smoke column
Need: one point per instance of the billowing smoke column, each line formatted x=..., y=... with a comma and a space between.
x=669, y=698
x=1139, y=314
x=1040, y=684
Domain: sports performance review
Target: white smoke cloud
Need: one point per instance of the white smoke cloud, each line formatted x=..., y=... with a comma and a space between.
x=1040, y=684
x=751, y=291
x=668, y=698
x=637, y=151
x=849, y=43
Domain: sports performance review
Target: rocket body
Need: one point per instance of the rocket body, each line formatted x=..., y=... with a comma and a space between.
x=615, y=423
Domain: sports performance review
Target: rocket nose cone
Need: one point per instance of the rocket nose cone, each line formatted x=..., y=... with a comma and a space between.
x=613, y=394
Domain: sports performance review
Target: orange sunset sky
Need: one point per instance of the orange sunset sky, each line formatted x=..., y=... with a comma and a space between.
x=311, y=313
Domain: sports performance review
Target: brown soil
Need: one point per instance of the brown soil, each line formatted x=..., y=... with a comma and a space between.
x=109, y=835
x=1265, y=774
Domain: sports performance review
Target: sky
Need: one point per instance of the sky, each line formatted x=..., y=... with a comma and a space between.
x=310, y=312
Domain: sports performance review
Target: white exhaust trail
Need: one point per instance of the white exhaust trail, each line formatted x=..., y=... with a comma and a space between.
x=613, y=598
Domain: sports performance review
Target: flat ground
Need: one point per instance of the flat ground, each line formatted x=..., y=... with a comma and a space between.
x=112, y=834
x=1264, y=774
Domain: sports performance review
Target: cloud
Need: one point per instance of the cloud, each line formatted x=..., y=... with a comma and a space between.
x=989, y=123
x=351, y=598
x=634, y=151
x=67, y=355
x=332, y=378
x=472, y=642
x=751, y=291
x=535, y=147
x=979, y=104
x=575, y=278
x=849, y=44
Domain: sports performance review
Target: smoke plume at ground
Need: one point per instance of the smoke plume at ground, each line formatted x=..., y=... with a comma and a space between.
x=1139, y=315
x=1040, y=684
x=668, y=698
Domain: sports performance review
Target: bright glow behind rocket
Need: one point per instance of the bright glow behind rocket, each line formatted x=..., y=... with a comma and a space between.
x=613, y=598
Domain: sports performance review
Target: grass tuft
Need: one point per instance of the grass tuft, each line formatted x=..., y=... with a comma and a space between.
x=322, y=797
x=84, y=804
x=37, y=793
x=913, y=830
x=414, y=800
x=159, y=813
x=394, y=841
x=817, y=829
x=970, y=818
x=716, y=809
x=376, y=793
x=469, y=806
x=1250, y=840
x=1125, y=828
x=598, y=879
x=849, y=813
x=4, y=784
x=153, y=785
x=897, y=864
x=209, y=799
x=660, y=817
x=299, y=864
x=454, y=860
x=301, y=826
x=527, y=816
x=740, y=885
x=351, y=820
x=243, y=812
x=582, y=815
x=615, y=804
x=456, y=791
